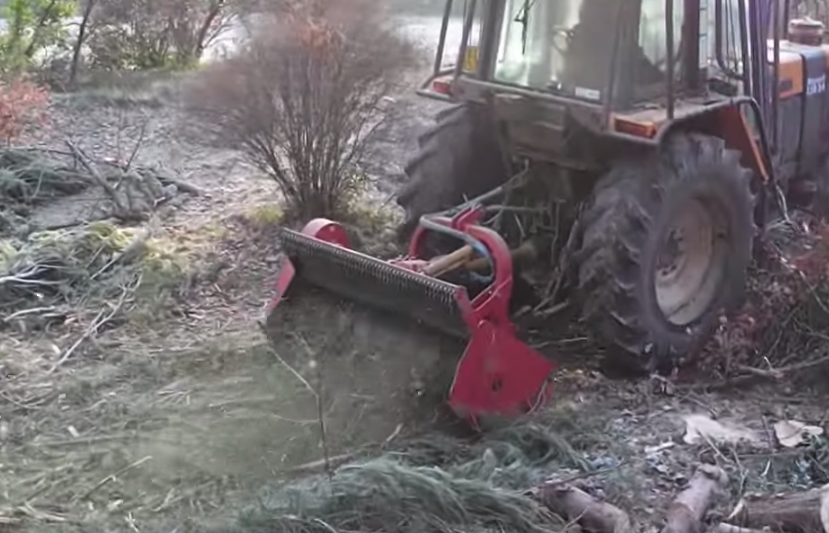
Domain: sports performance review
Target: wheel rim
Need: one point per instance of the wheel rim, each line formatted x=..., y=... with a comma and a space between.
x=691, y=264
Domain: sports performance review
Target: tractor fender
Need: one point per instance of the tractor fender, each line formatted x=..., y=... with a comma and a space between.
x=729, y=123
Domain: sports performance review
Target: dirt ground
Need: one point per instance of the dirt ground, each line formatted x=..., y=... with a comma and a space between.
x=164, y=421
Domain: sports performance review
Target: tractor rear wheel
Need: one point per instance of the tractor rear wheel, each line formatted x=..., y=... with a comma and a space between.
x=458, y=158
x=666, y=245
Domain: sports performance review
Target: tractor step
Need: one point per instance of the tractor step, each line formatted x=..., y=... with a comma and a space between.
x=322, y=278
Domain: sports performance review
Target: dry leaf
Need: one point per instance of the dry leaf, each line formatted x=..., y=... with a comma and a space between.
x=701, y=428
x=791, y=433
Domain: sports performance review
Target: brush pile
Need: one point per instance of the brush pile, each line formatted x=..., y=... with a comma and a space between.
x=78, y=267
x=34, y=180
x=785, y=323
x=29, y=178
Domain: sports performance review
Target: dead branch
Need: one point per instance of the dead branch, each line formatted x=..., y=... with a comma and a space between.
x=112, y=477
x=100, y=320
x=781, y=373
x=795, y=512
x=90, y=167
x=687, y=511
x=575, y=505
x=181, y=185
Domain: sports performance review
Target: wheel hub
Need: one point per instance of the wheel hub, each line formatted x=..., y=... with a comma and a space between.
x=690, y=264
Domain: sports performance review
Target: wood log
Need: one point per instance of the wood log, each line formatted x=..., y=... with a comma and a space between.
x=577, y=506
x=796, y=512
x=688, y=510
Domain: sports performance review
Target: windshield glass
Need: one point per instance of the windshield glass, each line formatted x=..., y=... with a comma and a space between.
x=652, y=54
x=561, y=46
x=566, y=46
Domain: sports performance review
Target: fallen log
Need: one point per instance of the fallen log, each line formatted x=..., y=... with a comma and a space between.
x=796, y=512
x=687, y=512
x=575, y=505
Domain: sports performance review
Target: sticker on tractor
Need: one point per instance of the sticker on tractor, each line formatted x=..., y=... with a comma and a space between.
x=816, y=85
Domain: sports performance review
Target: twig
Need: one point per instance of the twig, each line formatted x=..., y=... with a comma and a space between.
x=317, y=392
x=137, y=146
x=584, y=475
x=320, y=414
x=26, y=312
x=728, y=528
x=18, y=404
x=113, y=477
x=556, y=283
x=780, y=373
x=295, y=373
x=326, y=463
x=93, y=328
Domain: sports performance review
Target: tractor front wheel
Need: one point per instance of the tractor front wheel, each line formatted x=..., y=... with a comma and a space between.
x=666, y=246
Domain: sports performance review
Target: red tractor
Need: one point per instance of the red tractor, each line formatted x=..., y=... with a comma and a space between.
x=642, y=143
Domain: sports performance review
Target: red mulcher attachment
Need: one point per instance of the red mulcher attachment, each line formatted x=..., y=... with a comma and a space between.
x=498, y=374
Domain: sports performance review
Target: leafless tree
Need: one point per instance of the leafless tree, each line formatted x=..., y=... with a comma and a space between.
x=87, y=8
x=303, y=96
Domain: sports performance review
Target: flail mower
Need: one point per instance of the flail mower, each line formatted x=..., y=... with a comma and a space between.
x=619, y=156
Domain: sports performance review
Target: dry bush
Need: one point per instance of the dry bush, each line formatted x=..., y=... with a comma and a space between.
x=22, y=104
x=303, y=96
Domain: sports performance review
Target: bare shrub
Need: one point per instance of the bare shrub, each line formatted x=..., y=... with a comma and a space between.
x=303, y=96
x=151, y=34
x=22, y=104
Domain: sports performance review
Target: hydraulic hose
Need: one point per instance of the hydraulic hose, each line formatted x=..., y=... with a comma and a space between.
x=431, y=225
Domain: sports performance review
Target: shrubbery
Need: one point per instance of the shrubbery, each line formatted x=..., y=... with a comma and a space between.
x=22, y=104
x=302, y=98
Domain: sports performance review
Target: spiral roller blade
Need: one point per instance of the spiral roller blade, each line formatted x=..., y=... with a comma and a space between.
x=365, y=279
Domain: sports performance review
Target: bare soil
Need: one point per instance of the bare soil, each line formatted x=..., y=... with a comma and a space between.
x=161, y=422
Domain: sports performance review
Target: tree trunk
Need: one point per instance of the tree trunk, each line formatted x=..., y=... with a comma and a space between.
x=89, y=6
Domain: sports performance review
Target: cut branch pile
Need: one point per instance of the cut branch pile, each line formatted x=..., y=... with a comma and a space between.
x=89, y=264
x=123, y=192
x=30, y=178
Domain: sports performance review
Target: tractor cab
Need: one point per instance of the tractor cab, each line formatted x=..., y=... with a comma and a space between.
x=594, y=51
x=607, y=57
x=569, y=48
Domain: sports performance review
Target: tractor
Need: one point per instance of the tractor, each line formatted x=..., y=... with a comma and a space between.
x=636, y=149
